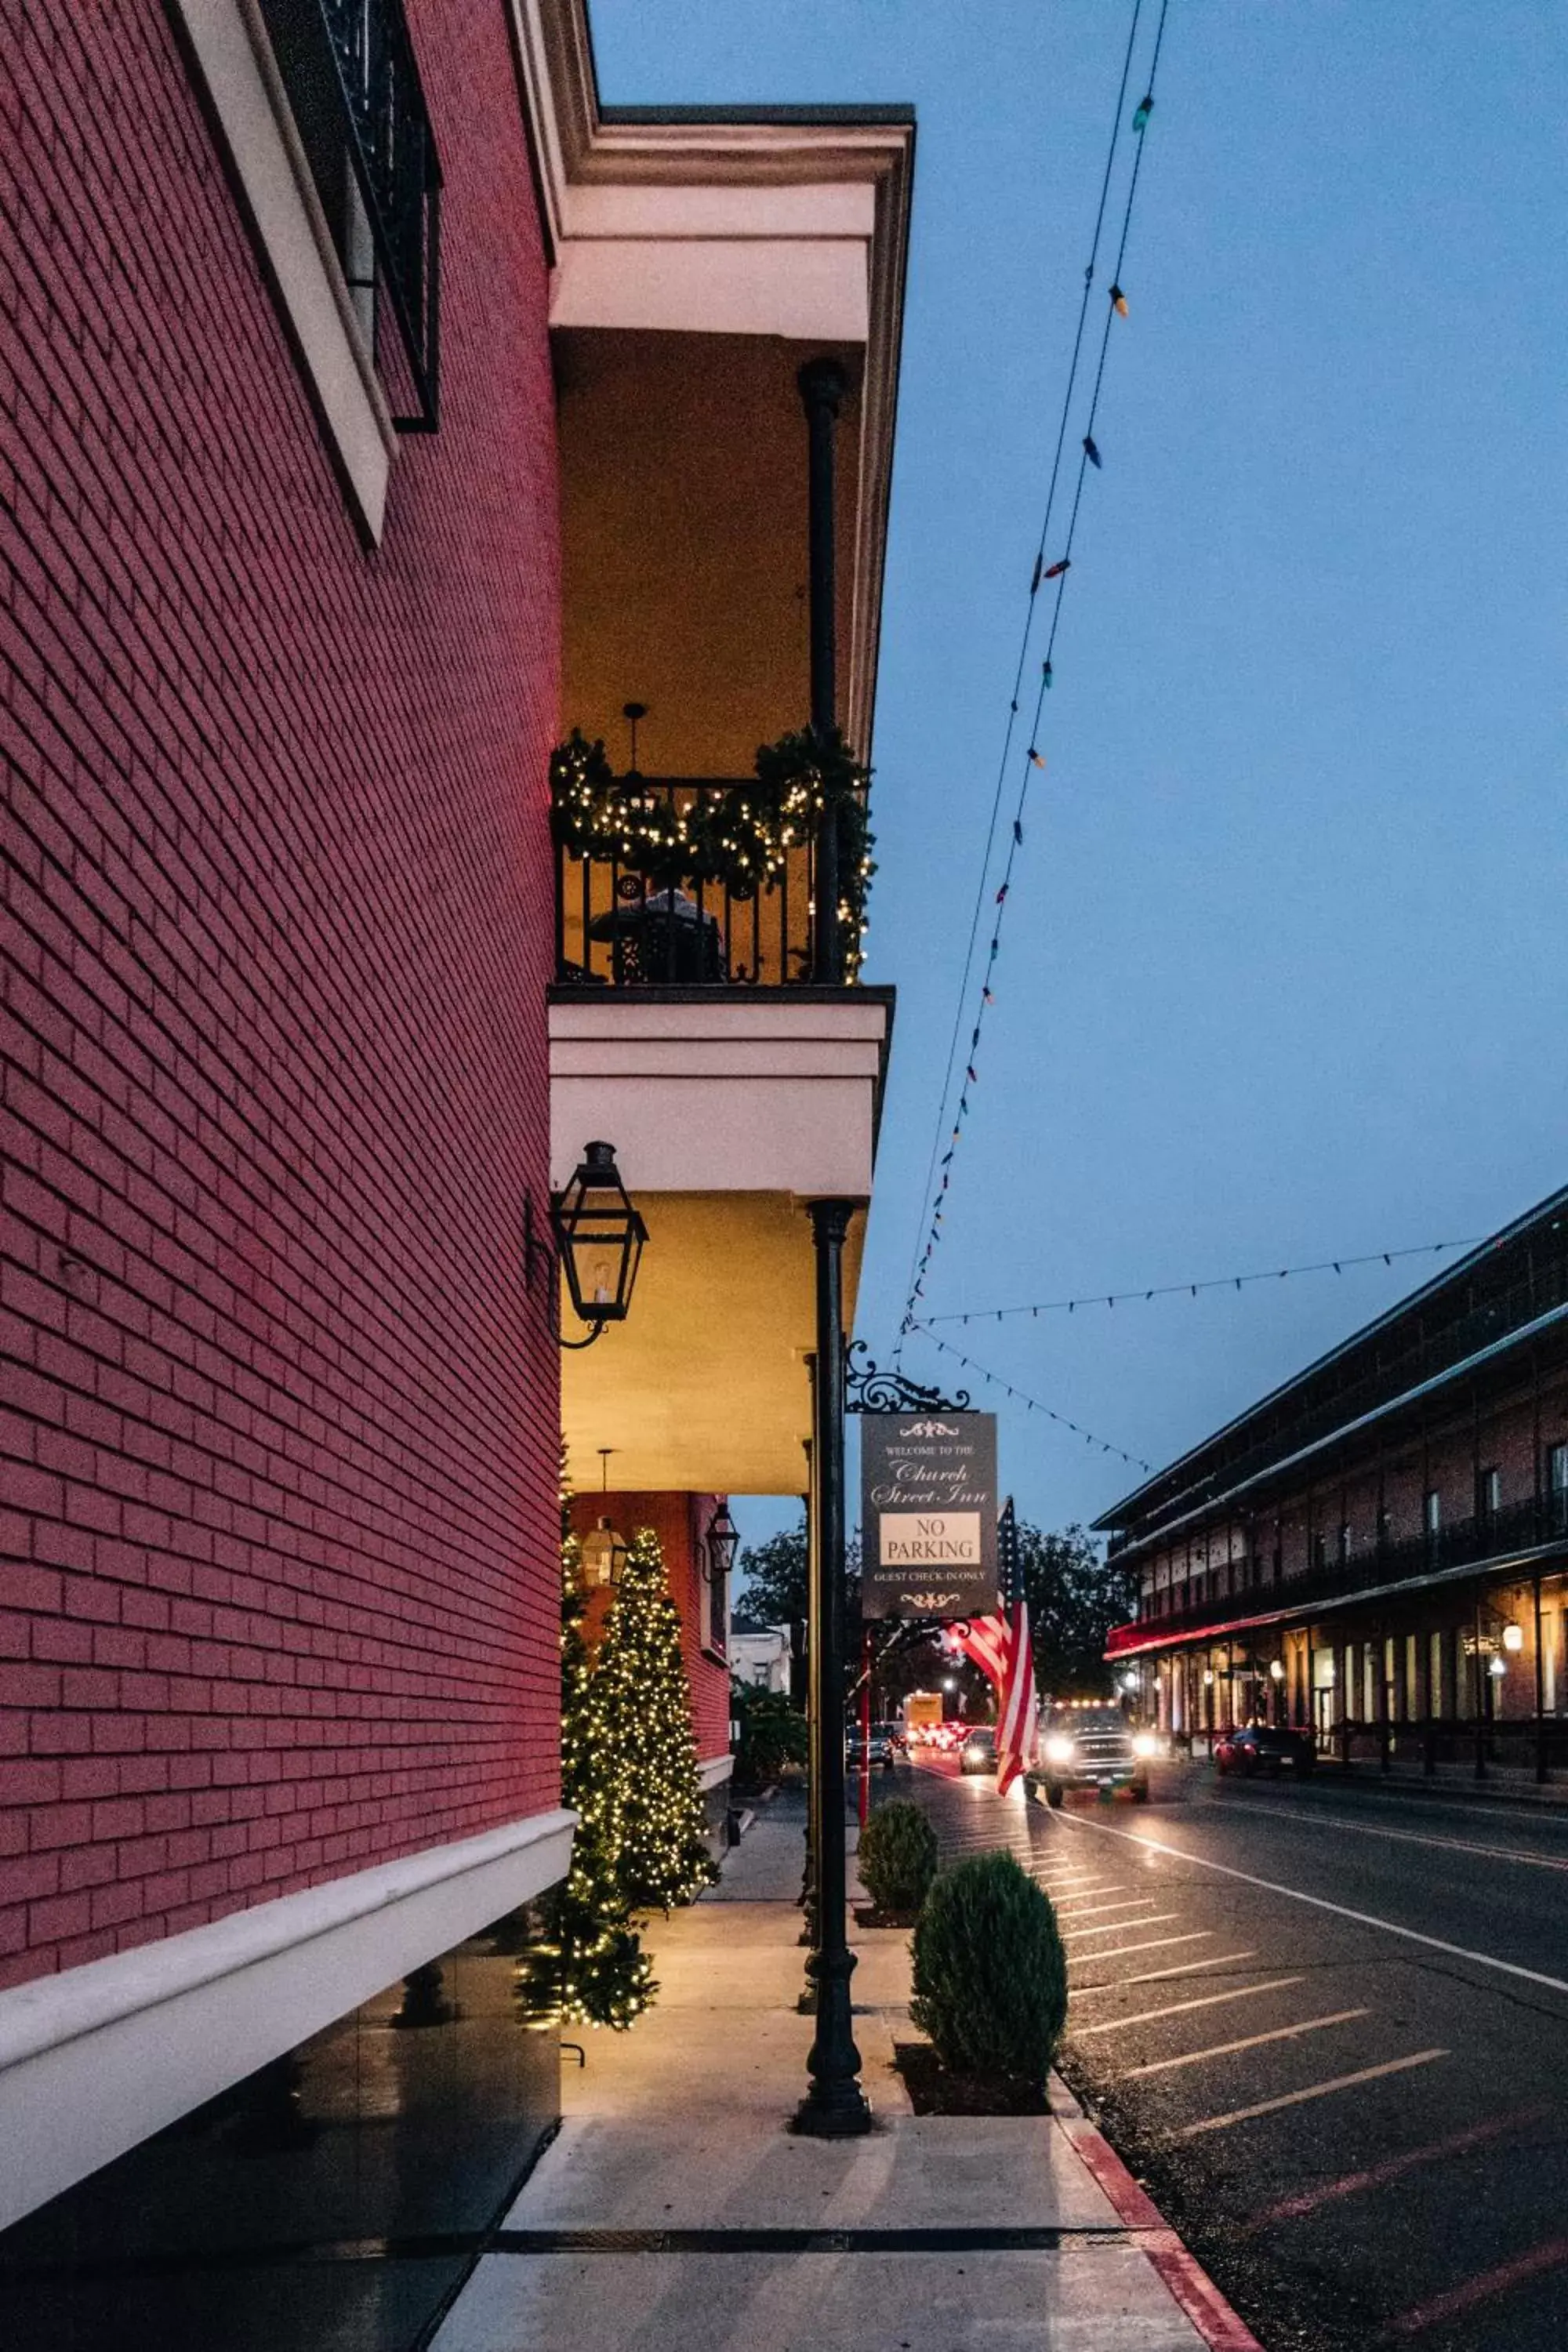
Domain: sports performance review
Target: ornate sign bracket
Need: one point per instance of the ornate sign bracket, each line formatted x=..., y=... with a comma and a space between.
x=866, y=1389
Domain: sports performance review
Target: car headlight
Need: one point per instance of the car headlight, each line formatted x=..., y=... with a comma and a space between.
x=1059, y=1749
x=1145, y=1744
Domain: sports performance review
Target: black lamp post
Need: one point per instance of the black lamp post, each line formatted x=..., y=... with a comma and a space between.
x=834, y=2107
x=599, y=1238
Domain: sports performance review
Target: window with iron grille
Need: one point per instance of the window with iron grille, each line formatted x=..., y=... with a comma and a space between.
x=353, y=88
x=1557, y=1487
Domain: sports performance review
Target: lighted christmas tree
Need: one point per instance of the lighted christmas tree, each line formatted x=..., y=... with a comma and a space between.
x=646, y=1806
x=589, y=1967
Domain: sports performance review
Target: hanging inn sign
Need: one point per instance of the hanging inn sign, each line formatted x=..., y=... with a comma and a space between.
x=928, y=1514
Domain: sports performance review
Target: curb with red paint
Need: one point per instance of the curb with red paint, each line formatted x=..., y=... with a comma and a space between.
x=1189, y=2284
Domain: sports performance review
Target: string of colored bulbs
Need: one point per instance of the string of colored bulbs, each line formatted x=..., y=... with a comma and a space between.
x=1175, y=1290
x=1022, y=1396
x=1034, y=760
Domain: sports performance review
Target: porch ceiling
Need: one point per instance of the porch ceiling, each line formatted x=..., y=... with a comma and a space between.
x=703, y=1388
x=683, y=462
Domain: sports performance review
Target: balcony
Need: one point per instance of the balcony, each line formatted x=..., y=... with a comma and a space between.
x=725, y=314
x=705, y=881
x=1489, y=1541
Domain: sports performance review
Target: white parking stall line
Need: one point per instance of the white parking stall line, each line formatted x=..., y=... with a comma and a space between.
x=1158, y=1976
x=1155, y=1944
x=1316, y=2091
x=1180, y=2008
x=1252, y=2042
x=1321, y=1902
x=1093, y=1910
x=1116, y=1927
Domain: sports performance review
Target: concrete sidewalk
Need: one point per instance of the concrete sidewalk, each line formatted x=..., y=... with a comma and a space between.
x=675, y=2209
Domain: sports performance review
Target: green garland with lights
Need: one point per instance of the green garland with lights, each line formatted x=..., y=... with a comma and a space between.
x=740, y=839
x=647, y=1804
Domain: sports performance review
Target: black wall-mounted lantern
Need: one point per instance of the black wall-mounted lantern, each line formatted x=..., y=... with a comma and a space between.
x=599, y=1239
x=724, y=1538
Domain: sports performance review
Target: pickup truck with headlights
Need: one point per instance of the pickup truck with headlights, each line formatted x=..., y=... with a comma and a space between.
x=1089, y=1748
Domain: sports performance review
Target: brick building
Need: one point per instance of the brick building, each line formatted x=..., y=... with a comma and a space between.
x=374, y=407
x=1377, y=1551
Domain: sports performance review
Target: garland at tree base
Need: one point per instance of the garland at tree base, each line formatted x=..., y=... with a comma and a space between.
x=589, y=1967
x=741, y=839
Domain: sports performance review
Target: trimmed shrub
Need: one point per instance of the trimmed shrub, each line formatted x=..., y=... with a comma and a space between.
x=990, y=1975
x=897, y=1857
x=772, y=1735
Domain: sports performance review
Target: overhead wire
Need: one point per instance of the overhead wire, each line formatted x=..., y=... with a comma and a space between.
x=1184, y=1289
x=1022, y=1396
x=934, y=1204
x=1035, y=579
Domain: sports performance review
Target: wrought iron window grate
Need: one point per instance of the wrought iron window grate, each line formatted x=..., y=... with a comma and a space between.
x=354, y=87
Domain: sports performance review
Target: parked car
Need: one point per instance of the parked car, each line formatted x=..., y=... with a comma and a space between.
x=878, y=1753
x=893, y=1732
x=1089, y=1748
x=1264, y=1748
x=978, y=1753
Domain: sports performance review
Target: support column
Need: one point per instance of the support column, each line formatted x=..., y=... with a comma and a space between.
x=808, y=1877
x=835, y=2108
x=1539, y=1684
x=823, y=384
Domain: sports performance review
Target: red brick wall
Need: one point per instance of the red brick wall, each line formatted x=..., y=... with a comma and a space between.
x=283, y=1424
x=681, y=1523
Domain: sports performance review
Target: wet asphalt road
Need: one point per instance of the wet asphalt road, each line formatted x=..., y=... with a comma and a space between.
x=1358, y=2123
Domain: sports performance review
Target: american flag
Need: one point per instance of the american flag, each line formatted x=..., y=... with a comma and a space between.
x=983, y=1641
x=1001, y=1648
x=1018, y=1706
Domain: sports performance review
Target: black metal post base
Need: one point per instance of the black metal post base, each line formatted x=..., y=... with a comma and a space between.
x=835, y=2108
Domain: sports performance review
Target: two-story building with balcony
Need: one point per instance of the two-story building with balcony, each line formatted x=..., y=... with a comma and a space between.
x=377, y=408
x=1377, y=1551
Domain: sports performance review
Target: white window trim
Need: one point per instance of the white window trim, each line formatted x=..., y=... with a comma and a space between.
x=228, y=45
x=95, y=2059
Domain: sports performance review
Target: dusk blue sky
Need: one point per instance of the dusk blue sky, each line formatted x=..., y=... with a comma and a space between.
x=1283, y=972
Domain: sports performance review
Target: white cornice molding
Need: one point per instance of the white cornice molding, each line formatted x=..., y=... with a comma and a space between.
x=656, y=210
x=99, y=2057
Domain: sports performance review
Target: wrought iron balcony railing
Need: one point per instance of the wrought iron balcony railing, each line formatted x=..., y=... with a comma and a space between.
x=1496, y=1536
x=354, y=88
x=657, y=920
x=1433, y=1344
